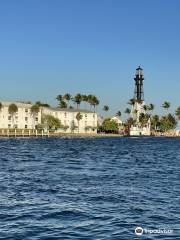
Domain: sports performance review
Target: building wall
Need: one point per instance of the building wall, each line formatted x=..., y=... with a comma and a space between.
x=138, y=131
x=68, y=118
x=22, y=119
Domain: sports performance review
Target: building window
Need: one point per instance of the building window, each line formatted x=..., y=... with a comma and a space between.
x=26, y=118
x=36, y=119
x=65, y=114
x=86, y=115
x=16, y=117
x=9, y=118
x=93, y=115
x=25, y=126
x=9, y=125
x=26, y=110
x=15, y=126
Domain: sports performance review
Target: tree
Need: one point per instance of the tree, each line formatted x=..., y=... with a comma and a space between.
x=40, y=104
x=1, y=106
x=94, y=102
x=166, y=105
x=12, y=109
x=127, y=111
x=154, y=122
x=130, y=121
x=73, y=126
x=110, y=126
x=62, y=104
x=78, y=118
x=67, y=97
x=145, y=107
x=106, y=108
x=177, y=113
x=131, y=101
x=34, y=112
x=151, y=107
x=78, y=99
x=167, y=123
x=50, y=122
x=89, y=99
x=143, y=118
x=59, y=98
x=84, y=99
x=118, y=114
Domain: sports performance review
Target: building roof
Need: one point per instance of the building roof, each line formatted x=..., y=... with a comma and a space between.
x=19, y=104
x=69, y=110
x=116, y=119
x=28, y=105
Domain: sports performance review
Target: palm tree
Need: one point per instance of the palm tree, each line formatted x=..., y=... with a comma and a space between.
x=12, y=109
x=118, y=114
x=145, y=107
x=130, y=121
x=1, y=106
x=59, y=98
x=62, y=104
x=40, y=104
x=90, y=97
x=143, y=118
x=67, y=97
x=78, y=118
x=177, y=113
x=166, y=105
x=94, y=102
x=131, y=101
x=84, y=99
x=151, y=107
x=34, y=112
x=106, y=108
x=155, y=121
x=78, y=99
x=127, y=111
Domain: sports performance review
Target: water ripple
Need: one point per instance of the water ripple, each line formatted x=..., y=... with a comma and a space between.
x=89, y=188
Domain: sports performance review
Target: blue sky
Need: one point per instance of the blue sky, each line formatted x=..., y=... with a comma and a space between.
x=50, y=47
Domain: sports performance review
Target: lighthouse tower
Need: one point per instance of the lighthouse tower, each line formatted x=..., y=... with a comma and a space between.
x=138, y=106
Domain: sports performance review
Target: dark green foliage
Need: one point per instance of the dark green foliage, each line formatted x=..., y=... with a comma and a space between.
x=109, y=126
x=178, y=113
x=50, y=122
x=106, y=108
x=143, y=119
x=35, y=109
x=12, y=109
x=167, y=123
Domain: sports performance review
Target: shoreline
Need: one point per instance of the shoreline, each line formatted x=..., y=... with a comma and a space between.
x=80, y=135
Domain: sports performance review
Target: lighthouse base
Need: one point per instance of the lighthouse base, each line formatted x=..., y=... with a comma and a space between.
x=136, y=130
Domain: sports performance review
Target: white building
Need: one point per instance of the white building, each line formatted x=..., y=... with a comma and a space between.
x=24, y=119
x=117, y=120
x=88, y=123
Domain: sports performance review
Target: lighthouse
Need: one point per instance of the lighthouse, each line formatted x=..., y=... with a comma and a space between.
x=138, y=106
x=139, y=92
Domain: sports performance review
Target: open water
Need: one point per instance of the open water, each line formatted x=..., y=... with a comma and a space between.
x=89, y=188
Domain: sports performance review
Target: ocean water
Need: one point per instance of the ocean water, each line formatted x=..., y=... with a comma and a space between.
x=89, y=188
